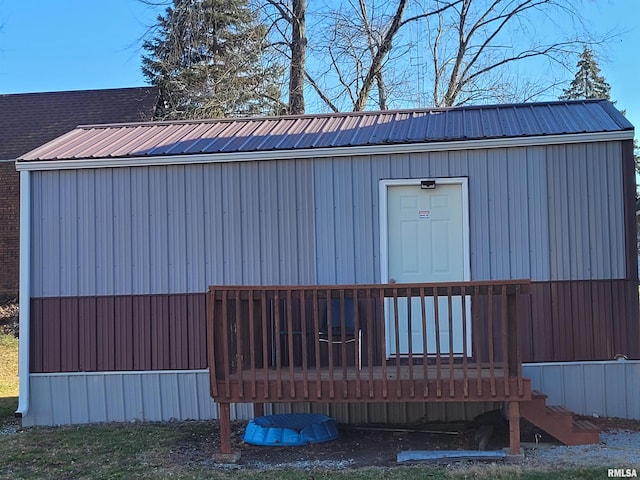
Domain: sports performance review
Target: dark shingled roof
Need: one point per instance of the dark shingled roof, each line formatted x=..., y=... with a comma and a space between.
x=28, y=120
x=195, y=137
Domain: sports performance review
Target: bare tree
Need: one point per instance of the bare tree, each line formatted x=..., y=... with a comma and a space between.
x=477, y=46
x=360, y=40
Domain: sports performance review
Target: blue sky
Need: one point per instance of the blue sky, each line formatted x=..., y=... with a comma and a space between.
x=51, y=45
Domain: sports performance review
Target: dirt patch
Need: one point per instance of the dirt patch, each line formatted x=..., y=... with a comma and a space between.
x=367, y=446
x=357, y=446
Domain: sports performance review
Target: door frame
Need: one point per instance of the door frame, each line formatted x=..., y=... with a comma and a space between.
x=385, y=184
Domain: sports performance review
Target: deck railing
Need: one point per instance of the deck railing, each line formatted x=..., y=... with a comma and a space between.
x=366, y=343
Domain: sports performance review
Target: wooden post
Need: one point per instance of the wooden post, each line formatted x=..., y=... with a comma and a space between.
x=514, y=428
x=225, y=428
x=258, y=410
x=514, y=355
x=226, y=453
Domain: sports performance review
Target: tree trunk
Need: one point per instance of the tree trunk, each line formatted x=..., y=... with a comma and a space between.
x=298, y=55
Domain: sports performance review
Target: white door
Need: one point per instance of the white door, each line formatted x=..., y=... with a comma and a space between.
x=427, y=241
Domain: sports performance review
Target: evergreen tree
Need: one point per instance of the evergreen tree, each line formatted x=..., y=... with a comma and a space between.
x=207, y=57
x=588, y=83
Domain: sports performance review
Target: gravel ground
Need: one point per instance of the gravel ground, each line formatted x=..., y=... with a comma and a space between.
x=617, y=449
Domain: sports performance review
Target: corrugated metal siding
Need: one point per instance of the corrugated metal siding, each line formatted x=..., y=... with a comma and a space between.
x=580, y=320
x=142, y=332
x=606, y=389
x=71, y=399
x=548, y=213
x=570, y=320
x=172, y=229
x=585, y=195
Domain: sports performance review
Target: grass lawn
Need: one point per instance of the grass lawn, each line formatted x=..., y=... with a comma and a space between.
x=182, y=450
x=8, y=375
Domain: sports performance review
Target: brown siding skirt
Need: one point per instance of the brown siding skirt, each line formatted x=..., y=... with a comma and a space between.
x=563, y=321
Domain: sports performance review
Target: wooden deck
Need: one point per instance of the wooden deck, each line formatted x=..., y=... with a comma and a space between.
x=451, y=342
x=399, y=383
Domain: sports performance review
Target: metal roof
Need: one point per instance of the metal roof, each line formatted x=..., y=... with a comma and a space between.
x=157, y=139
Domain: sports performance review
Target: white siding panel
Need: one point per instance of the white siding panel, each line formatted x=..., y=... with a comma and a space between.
x=325, y=228
x=116, y=404
x=598, y=208
x=50, y=244
x=606, y=389
x=558, y=213
x=537, y=201
x=548, y=213
x=170, y=391
x=498, y=214
x=133, y=397
x=459, y=164
x=158, y=231
x=419, y=165
x=519, y=237
x=97, y=394
x=305, y=232
x=37, y=229
x=141, y=236
x=615, y=214
x=80, y=412
x=268, y=218
x=177, y=228
x=122, y=227
x=578, y=215
x=288, y=247
x=79, y=398
x=195, y=229
x=105, y=230
x=479, y=215
x=41, y=407
x=69, y=234
x=363, y=221
x=250, y=202
x=345, y=207
x=438, y=165
x=213, y=225
x=231, y=225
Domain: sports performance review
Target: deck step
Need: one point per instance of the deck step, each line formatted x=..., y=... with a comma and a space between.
x=538, y=395
x=559, y=421
x=557, y=410
x=585, y=426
